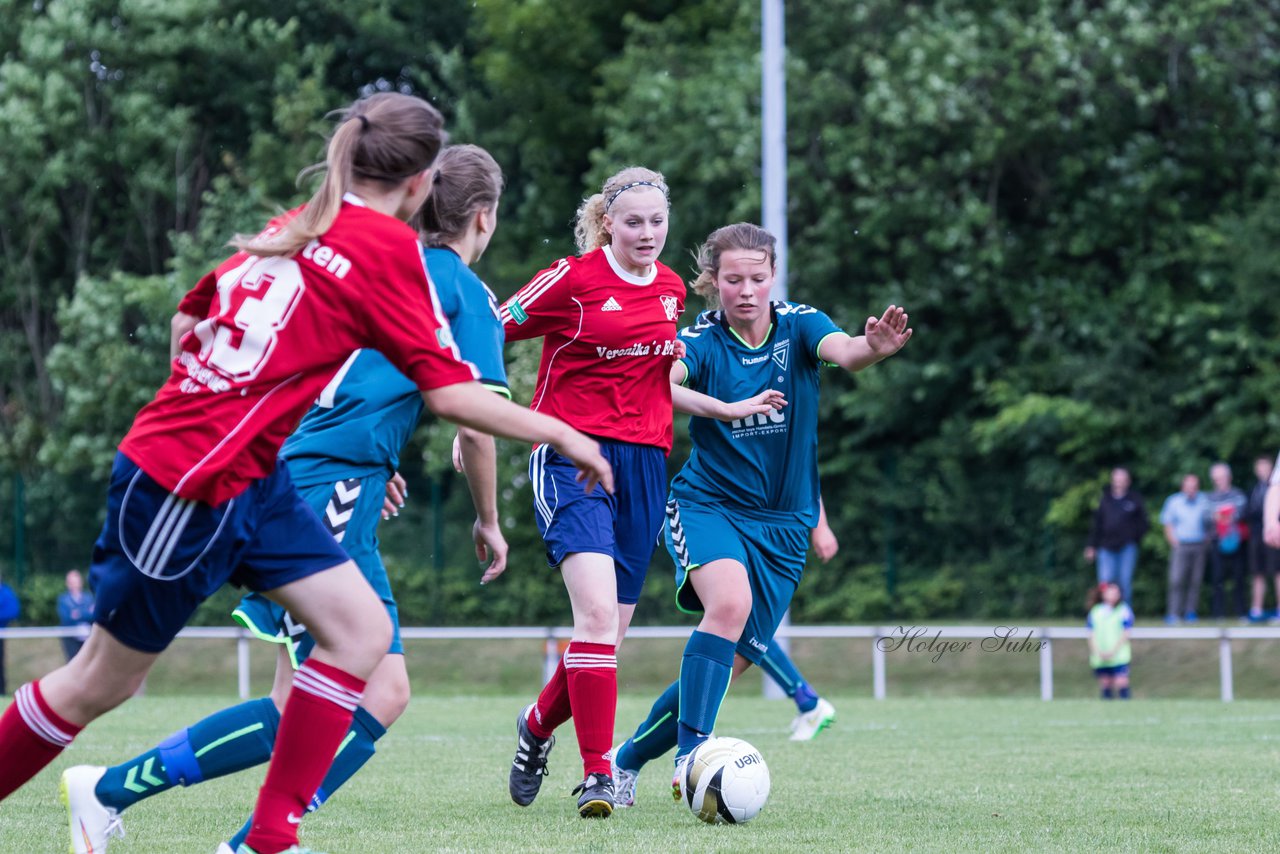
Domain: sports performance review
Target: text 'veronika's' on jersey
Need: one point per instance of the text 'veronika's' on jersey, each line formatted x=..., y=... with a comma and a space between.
x=767, y=462
x=608, y=344
x=274, y=333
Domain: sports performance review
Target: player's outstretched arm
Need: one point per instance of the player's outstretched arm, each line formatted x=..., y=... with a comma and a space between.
x=882, y=337
x=696, y=403
x=479, y=459
x=472, y=405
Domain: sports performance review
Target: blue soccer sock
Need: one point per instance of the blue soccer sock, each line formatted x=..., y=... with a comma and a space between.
x=705, y=672
x=225, y=742
x=1124, y=693
x=783, y=670
x=656, y=735
x=357, y=749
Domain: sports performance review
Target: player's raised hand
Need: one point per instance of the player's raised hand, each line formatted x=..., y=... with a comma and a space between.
x=765, y=401
x=397, y=492
x=584, y=453
x=491, y=548
x=888, y=333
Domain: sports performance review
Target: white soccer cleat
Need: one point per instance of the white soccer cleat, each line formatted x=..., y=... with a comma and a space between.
x=807, y=725
x=92, y=822
x=224, y=848
x=624, y=781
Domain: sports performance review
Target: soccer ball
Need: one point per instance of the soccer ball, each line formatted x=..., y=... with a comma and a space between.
x=725, y=781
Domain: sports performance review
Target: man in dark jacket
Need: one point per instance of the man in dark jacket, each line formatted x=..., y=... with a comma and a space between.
x=1118, y=526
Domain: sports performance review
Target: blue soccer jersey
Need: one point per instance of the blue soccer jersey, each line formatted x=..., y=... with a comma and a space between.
x=368, y=411
x=767, y=463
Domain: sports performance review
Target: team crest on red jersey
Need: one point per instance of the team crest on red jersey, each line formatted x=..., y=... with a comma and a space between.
x=671, y=306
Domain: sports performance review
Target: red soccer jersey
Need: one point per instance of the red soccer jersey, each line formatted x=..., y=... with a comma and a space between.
x=275, y=331
x=608, y=343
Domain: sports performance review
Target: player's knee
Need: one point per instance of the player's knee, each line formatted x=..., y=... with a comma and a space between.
x=387, y=698
x=374, y=641
x=729, y=613
x=598, y=622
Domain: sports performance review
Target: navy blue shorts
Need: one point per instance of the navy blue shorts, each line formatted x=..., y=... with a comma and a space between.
x=624, y=525
x=774, y=556
x=350, y=510
x=1114, y=670
x=159, y=556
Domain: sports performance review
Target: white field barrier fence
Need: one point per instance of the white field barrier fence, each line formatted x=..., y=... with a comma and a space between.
x=883, y=640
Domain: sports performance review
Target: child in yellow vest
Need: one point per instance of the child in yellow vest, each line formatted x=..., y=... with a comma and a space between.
x=1109, y=623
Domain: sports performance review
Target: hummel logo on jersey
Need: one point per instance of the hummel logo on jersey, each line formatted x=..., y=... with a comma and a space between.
x=611, y=304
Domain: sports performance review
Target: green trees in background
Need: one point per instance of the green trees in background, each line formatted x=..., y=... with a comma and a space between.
x=1077, y=202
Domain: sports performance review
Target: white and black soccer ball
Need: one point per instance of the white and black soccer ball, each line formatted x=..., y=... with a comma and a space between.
x=725, y=781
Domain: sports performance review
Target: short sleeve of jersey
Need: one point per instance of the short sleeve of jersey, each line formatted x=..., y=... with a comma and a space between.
x=409, y=327
x=697, y=339
x=473, y=314
x=541, y=306
x=196, y=302
x=811, y=326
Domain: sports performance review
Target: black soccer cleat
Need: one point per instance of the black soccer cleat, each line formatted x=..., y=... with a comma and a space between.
x=596, y=800
x=530, y=764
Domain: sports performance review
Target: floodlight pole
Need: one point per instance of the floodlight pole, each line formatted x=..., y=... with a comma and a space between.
x=773, y=174
x=773, y=179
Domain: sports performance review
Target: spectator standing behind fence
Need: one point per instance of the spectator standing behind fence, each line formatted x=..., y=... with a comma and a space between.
x=1227, y=532
x=75, y=608
x=1119, y=523
x=1264, y=560
x=8, y=613
x=1110, y=620
x=1183, y=517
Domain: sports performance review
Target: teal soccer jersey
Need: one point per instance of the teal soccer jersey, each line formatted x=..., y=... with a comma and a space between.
x=369, y=409
x=768, y=462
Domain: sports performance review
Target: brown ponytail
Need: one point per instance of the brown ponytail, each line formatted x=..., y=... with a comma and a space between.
x=468, y=180
x=589, y=232
x=387, y=137
x=740, y=235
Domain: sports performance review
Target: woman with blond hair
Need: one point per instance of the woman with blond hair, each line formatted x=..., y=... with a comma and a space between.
x=608, y=322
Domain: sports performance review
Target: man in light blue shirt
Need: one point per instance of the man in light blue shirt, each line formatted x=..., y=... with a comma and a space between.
x=1183, y=516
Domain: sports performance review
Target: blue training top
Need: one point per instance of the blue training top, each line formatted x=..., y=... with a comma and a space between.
x=765, y=463
x=368, y=411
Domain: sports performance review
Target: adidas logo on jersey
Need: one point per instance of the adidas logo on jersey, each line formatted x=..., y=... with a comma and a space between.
x=611, y=304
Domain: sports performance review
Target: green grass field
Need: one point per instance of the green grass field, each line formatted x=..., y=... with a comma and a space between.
x=915, y=774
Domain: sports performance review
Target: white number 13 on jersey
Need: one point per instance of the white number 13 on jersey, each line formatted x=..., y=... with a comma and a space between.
x=267, y=290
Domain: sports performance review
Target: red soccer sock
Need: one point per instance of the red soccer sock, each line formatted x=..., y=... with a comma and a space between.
x=593, y=692
x=316, y=718
x=552, y=707
x=31, y=736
